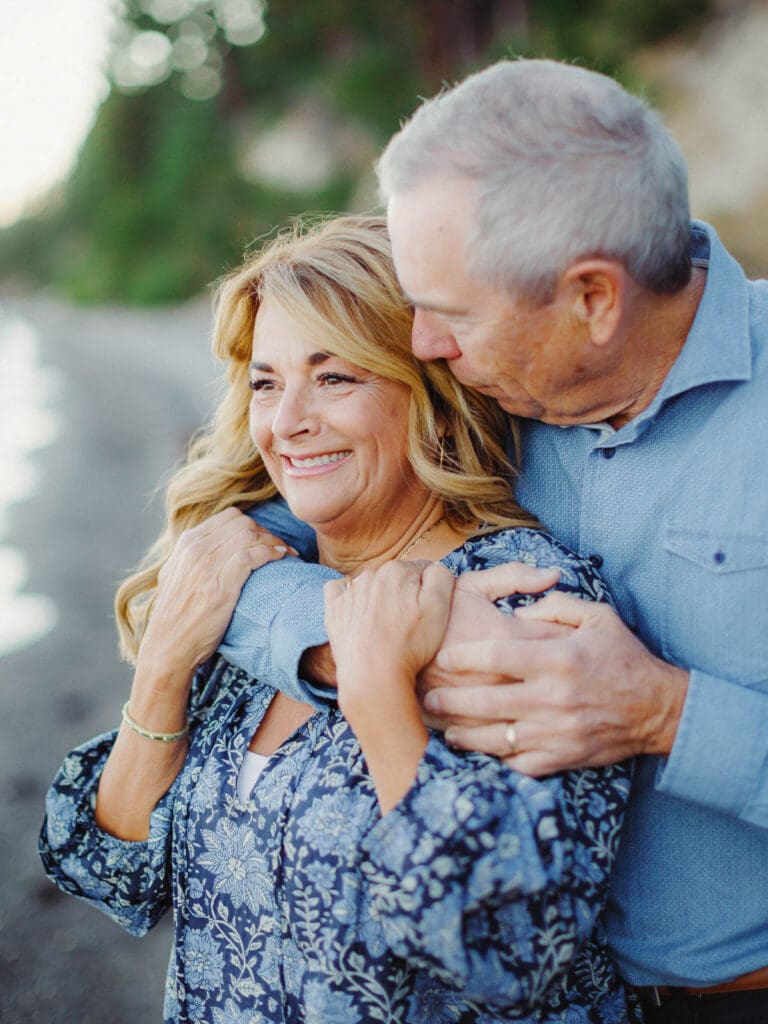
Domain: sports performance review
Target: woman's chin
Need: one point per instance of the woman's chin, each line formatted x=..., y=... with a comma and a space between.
x=314, y=514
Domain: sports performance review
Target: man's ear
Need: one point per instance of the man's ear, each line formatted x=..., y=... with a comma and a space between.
x=596, y=292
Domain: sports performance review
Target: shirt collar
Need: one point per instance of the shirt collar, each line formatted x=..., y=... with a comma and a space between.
x=718, y=345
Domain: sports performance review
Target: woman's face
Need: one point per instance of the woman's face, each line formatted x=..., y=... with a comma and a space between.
x=332, y=435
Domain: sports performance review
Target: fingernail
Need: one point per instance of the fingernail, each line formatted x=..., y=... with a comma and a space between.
x=450, y=737
x=432, y=701
x=280, y=548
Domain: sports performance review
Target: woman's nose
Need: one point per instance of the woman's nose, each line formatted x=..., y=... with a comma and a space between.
x=431, y=339
x=294, y=415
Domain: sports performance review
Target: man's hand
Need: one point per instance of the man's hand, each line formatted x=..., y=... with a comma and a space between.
x=590, y=696
x=474, y=617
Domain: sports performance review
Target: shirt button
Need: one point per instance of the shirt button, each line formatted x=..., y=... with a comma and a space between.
x=595, y=560
x=608, y=453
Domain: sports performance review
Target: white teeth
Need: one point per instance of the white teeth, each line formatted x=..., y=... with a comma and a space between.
x=320, y=460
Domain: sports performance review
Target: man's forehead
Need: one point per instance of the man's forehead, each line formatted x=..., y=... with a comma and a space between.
x=427, y=244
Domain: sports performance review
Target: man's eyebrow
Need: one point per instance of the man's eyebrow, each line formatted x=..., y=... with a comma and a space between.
x=433, y=307
x=314, y=360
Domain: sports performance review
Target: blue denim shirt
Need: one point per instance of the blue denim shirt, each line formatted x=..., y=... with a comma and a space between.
x=675, y=503
x=676, y=506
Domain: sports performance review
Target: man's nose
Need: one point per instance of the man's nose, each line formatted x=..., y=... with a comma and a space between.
x=431, y=339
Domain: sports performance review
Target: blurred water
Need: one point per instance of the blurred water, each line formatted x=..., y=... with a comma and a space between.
x=29, y=397
x=95, y=406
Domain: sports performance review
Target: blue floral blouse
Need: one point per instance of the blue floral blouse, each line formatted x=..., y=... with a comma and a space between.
x=474, y=900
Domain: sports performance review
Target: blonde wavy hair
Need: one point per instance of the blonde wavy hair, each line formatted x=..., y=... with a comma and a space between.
x=337, y=280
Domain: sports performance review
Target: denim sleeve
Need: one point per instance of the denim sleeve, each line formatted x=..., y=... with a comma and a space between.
x=720, y=755
x=275, y=516
x=279, y=616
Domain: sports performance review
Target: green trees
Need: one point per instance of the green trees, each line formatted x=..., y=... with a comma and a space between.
x=227, y=117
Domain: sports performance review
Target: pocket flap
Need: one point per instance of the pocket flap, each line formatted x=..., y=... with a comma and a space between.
x=718, y=552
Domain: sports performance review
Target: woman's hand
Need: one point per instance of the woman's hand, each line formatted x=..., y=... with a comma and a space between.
x=197, y=590
x=383, y=628
x=389, y=620
x=199, y=585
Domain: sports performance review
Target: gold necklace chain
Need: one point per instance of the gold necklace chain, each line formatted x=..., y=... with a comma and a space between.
x=417, y=540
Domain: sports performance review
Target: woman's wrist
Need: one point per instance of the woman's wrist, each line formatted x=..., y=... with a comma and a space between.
x=393, y=750
x=159, y=699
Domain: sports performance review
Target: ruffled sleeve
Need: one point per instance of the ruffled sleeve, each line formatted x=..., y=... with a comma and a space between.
x=492, y=880
x=128, y=881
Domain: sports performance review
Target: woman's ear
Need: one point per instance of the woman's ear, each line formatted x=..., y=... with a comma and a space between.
x=596, y=290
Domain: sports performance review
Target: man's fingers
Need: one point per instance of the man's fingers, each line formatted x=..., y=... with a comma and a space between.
x=537, y=763
x=519, y=744
x=501, y=739
x=510, y=578
x=505, y=702
x=511, y=656
x=563, y=608
x=475, y=656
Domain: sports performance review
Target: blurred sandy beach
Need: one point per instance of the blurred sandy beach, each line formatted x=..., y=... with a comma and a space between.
x=95, y=406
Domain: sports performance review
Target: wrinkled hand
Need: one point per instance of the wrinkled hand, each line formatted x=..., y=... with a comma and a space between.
x=199, y=585
x=388, y=621
x=474, y=617
x=592, y=696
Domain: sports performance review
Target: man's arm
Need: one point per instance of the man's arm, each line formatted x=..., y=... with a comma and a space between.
x=277, y=632
x=279, y=616
x=598, y=695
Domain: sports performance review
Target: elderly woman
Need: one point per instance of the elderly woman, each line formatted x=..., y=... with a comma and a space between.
x=334, y=861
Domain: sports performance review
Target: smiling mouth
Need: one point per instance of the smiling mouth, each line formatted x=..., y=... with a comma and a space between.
x=316, y=460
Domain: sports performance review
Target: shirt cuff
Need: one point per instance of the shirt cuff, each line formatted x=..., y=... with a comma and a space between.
x=719, y=758
x=298, y=625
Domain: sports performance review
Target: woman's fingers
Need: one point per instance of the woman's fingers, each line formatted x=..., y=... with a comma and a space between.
x=399, y=610
x=200, y=582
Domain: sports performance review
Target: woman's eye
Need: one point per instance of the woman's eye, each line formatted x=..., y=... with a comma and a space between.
x=335, y=378
x=261, y=385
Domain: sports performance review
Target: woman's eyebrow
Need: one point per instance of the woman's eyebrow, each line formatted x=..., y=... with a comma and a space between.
x=314, y=360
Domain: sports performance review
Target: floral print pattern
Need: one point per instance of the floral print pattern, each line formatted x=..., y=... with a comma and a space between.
x=474, y=901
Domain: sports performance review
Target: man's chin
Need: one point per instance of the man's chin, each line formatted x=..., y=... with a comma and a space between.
x=525, y=410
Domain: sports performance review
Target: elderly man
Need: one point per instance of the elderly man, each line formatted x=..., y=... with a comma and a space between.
x=540, y=224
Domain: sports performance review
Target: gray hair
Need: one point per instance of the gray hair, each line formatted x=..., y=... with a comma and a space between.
x=565, y=164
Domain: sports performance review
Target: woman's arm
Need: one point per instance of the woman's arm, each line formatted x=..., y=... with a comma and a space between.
x=491, y=880
x=197, y=590
x=481, y=875
x=128, y=881
x=383, y=627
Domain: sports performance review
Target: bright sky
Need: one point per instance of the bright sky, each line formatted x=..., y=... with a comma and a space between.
x=51, y=82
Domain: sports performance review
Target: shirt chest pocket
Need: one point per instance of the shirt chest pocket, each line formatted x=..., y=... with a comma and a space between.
x=716, y=603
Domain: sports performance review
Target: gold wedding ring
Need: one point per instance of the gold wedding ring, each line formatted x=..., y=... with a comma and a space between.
x=511, y=737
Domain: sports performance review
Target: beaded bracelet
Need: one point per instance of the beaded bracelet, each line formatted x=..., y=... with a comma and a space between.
x=163, y=737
